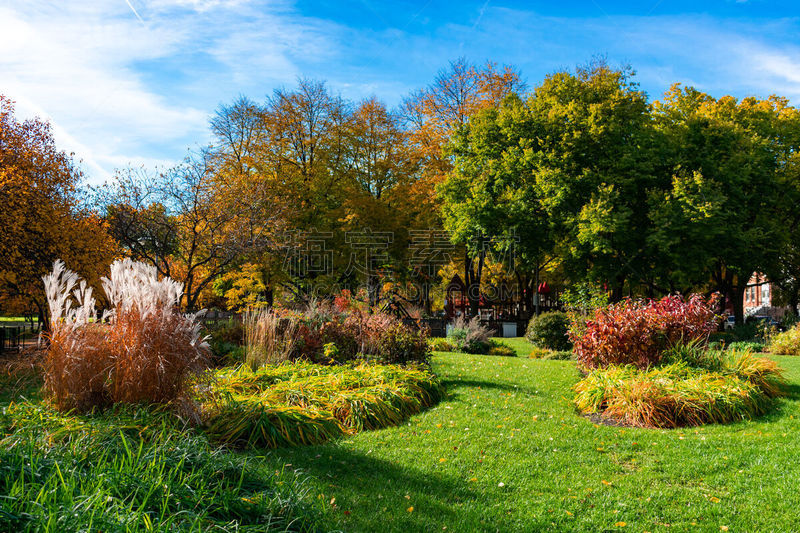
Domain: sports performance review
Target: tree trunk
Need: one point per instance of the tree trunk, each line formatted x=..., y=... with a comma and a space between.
x=269, y=296
x=618, y=288
x=536, y=288
x=373, y=290
x=472, y=275
x=738, y=302
x=44, y=319
x=794, y=300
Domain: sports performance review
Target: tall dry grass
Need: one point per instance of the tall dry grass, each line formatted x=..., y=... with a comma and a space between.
x=268, y=337
x=142, y=350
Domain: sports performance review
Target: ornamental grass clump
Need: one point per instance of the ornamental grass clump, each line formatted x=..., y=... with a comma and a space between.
x=268, y=338
x=142, y=350
x=296, y=404
x=718, y=388
x=469, y=336
x=785, y=343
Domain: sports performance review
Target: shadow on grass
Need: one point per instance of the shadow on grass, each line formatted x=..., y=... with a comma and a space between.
x=458, y=387
x=356, y=479
x=454, y=384
x=792, y=391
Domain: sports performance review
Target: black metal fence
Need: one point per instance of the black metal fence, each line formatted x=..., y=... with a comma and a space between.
x=501, y=328
x=11, y=337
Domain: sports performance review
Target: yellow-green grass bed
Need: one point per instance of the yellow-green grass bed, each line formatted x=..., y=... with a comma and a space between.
x=677, y=394
x=295, y=404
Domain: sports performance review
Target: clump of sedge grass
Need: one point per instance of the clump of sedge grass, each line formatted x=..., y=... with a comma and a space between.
x=678, y=394
x=142, y=350
x=133, y=468
x=300, y=403
x=785, y=343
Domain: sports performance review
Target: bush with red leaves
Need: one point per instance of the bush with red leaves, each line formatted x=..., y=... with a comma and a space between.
x=636, y=332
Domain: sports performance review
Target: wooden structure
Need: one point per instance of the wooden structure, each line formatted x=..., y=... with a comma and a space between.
x=457, y=302
x=505, y=307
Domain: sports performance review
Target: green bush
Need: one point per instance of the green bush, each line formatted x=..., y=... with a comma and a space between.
x=398, y=343
x=440, y=344
x=500, y=348
x=746, y=345
x=750, y=331
x=549, y=330
x=559, y=355
x=551, y=355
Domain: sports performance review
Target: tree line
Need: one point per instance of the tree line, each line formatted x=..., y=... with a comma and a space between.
x=579, y=180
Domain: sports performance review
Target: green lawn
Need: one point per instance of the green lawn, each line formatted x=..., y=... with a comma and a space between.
x=507, y=452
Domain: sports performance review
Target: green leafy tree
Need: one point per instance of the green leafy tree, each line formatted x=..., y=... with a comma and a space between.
x=725, y=214
x=591, y=155
x=489, y=204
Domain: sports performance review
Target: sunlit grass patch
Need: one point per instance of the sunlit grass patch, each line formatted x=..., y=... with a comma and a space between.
x=134, y=469
x=295, y=404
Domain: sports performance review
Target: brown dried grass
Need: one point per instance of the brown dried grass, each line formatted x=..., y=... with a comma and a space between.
x=145, y=353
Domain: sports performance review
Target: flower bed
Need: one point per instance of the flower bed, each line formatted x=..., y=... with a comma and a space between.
x=332, y=334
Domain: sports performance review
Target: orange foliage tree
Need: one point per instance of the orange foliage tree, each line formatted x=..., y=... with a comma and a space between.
x=42, y=216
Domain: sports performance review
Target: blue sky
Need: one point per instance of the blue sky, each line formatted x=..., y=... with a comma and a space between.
x=133, y=82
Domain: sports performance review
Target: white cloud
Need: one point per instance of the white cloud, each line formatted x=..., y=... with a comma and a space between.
x=73, y=66
x=91, y=68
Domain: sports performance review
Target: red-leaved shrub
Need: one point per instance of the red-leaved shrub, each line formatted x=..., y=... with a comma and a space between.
x=638, y=331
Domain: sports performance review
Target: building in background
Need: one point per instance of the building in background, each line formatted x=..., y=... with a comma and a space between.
x=758, y=292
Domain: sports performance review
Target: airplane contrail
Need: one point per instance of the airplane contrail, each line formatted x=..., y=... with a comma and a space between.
x=134, y=11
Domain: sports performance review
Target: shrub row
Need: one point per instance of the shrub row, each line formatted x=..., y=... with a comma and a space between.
x=332, y=334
